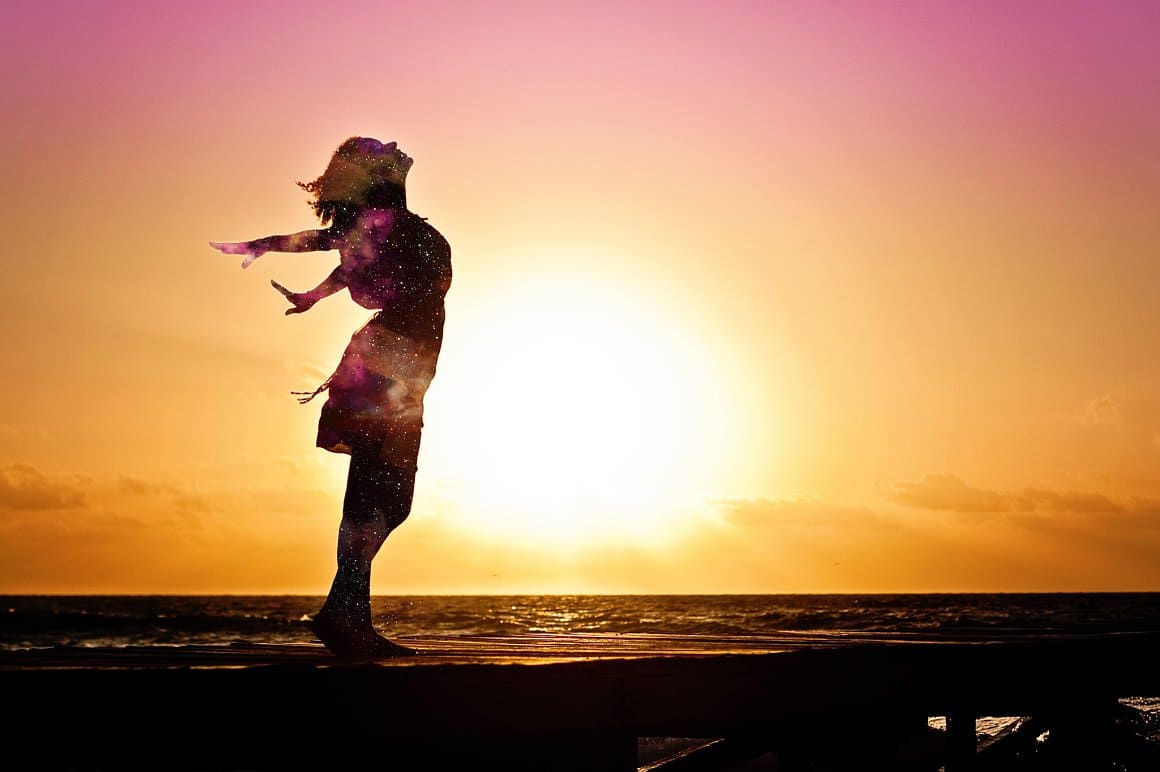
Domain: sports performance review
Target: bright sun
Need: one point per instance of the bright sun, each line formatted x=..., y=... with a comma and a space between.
x=568, y=411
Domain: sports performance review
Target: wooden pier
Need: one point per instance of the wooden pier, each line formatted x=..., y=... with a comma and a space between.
x=562, y=702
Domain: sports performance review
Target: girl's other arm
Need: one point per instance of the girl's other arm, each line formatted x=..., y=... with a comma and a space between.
x=304, y=301
x=306, y=241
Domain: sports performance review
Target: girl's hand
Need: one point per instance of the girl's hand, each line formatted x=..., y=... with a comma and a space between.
x=301, y=301
x=247, y=248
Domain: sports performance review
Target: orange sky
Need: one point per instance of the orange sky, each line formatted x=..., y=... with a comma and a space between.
x=747, y=299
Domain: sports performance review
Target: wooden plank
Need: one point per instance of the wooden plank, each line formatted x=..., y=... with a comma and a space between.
x=711, y=755
x=512, y=694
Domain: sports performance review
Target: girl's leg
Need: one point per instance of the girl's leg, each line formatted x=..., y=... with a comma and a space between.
x=378, y=499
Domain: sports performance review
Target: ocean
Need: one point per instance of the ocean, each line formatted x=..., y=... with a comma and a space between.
x=35, y=621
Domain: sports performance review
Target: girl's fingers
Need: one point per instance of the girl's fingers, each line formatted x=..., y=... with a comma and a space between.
x=285, y=292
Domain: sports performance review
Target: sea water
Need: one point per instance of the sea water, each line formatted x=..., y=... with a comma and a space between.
x=29, y=621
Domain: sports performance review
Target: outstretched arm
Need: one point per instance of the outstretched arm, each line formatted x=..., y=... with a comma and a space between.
x=304, y=301
x=306, y=241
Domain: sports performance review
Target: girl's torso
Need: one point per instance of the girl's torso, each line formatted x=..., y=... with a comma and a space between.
x=393, y=260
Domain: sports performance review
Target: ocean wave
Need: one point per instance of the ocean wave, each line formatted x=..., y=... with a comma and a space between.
x=34, y=621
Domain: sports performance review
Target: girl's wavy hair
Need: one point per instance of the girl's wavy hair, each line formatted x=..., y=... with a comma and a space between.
x=355, y=180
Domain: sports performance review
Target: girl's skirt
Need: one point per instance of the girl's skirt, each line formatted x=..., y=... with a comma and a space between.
x=375, y=397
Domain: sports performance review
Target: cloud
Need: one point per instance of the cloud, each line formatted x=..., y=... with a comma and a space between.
x=947, y=492
x=23, y=487
x=1146, y=507
x=1134, y=422
x=138, y=487
x=1104, y=410
x=1068, y=501
x=180, y=498
x=796, y=513
x=191, y=502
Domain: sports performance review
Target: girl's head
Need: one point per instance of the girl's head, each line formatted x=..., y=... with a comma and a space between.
x=364, y=173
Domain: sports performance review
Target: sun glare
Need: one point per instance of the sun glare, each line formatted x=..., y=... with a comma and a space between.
x=572, y=411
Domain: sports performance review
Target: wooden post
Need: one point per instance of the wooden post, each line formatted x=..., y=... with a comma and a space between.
x=961, y=738
x=1083, y=729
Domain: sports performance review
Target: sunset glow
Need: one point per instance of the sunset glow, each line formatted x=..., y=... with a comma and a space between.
x=748, y=297
x=591, y=412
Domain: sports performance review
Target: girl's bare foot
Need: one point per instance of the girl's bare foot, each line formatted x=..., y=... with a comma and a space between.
x=387, y=648
x=351, y=641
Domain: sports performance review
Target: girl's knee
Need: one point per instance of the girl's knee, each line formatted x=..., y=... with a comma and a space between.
x=397, y=494
x=392, y=519
x=378, y=491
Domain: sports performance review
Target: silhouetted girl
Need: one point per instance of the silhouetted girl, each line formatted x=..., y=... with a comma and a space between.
x=393, y=261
